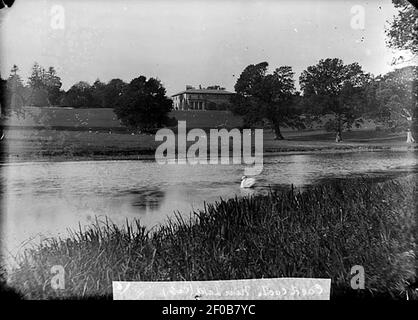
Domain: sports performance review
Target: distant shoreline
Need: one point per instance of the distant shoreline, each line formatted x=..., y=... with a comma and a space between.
x=148, y=155
x=22, y=144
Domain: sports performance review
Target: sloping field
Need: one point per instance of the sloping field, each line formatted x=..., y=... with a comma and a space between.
x=104, y=118
x=208, y=119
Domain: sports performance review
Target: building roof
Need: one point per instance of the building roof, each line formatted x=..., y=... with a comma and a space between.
x=204, y=91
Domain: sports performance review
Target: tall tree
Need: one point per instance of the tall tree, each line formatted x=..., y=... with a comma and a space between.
x=143, y=104
x=3, y=97
x=98, y=93
x=394, y=98
x=331, y=87
x=37, y=78
x=52, y=84
x=403, y=34
x=262, y=96
x=113, y=91
x=403, y=31
x=36, y=82
x=15, y=92
x=79, y=95
x=45, y=86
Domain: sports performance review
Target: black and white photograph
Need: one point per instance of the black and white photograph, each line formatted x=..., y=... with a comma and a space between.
x=209, y=150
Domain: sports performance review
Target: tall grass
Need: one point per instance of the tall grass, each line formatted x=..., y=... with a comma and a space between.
x=321, y=232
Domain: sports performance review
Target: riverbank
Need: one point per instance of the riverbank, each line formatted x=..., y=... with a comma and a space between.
x=63, y=145
x=149, y=155
x=321, y=232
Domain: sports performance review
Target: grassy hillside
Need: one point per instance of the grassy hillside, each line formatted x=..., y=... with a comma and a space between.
x=66, y=117
x=63, y=118
x=104, y=118
x=208, y=119
x=96, y=133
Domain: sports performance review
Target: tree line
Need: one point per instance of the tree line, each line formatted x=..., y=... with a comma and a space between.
x=140, y=104
x=343, y=92
x=44, y=88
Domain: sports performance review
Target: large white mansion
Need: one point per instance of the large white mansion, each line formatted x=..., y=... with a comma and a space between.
x=201, y=99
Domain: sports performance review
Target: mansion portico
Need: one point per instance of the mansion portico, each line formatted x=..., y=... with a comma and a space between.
x=200, y=99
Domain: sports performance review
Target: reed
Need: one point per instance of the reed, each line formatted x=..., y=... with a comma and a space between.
x=321, y=232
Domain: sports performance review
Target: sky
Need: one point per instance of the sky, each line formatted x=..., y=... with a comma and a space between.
x=190, y=42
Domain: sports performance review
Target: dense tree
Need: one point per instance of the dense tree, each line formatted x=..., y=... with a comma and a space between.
x=262, y=96
x=15, y=92
x=113, y=91
x=394, y=98
x=79, y=95
x=331, y=87
x=3, y=96
x=143, y=104
x=403, y=31
x=53, y=86
x=45, y=86
x=36, y=83
x=37, y=77
x=98, y=93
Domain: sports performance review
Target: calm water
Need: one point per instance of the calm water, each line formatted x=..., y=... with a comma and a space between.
x=44, y=199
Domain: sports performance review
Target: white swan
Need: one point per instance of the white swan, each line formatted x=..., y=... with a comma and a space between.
x=247, y=182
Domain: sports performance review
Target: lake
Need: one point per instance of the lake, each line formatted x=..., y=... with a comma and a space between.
x=43, y=199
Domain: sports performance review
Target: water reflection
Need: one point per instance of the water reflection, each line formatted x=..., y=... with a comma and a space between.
x=47, y=198
x=147, y=199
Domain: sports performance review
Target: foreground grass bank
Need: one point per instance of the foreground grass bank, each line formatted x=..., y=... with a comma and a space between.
x=322, y=232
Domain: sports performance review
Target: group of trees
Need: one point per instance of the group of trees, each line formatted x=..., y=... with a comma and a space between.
x=143, y=104
x=140, y=104
x=393, y=98
x=330, y=87
x=403, y=32
x=343, y=92
x=98, y=95
x=43, y=88
x=264, y=96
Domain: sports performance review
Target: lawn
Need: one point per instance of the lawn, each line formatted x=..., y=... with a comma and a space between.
x=103, y=119
x=61, y=133
x=49, y=144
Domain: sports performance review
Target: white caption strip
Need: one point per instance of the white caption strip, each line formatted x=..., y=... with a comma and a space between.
x=250, y=289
